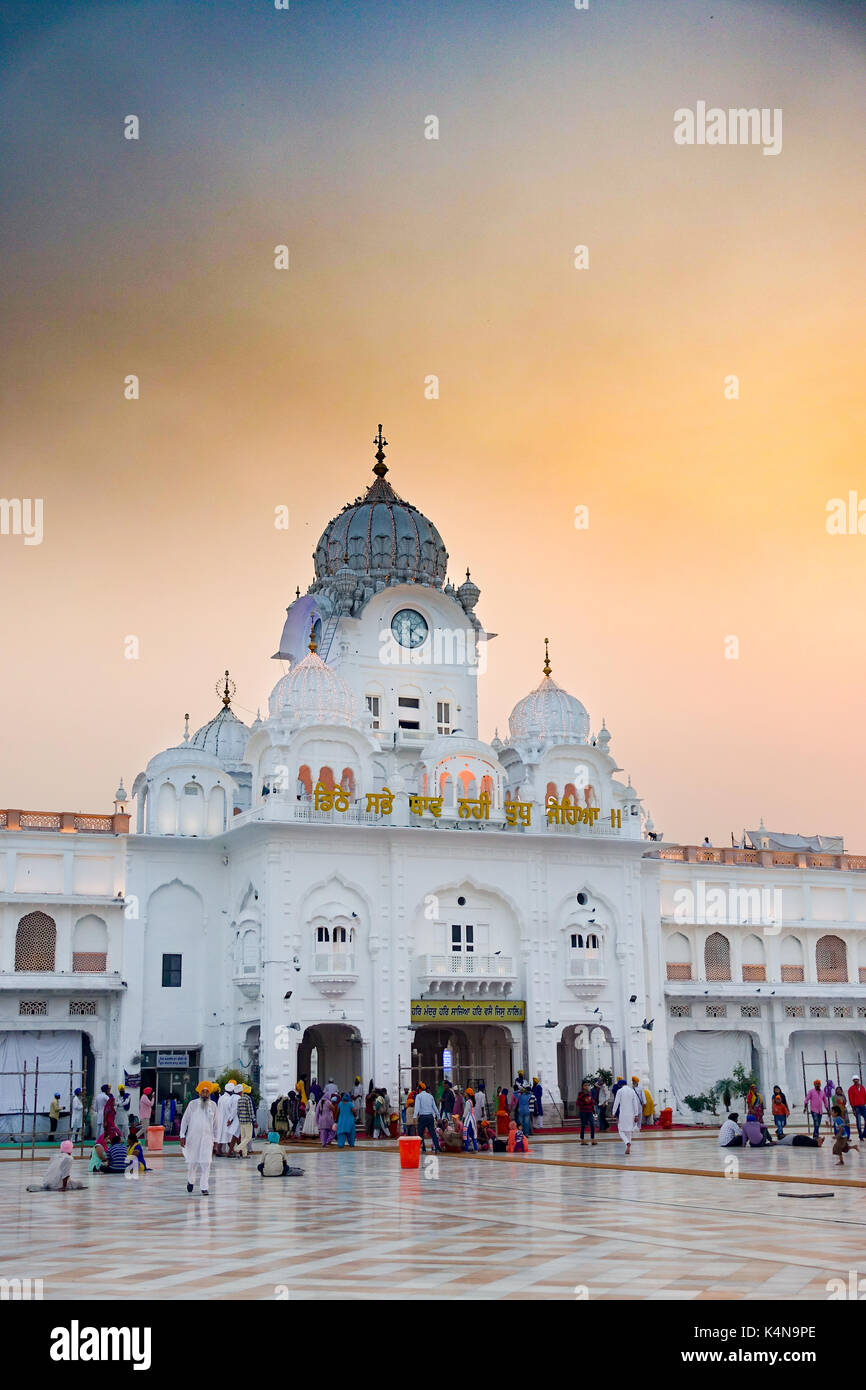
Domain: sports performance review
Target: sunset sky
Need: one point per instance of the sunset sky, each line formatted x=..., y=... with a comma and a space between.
x=559, y=387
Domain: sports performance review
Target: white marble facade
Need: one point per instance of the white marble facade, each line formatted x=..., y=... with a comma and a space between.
x=304, y=931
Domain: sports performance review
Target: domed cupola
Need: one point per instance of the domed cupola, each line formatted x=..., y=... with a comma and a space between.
x=382, y=538
x=225, y=735
x=468, y=593
x=548, y=713
x=312, y=693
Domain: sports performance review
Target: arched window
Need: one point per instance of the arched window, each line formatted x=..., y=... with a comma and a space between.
x=754, y=962
x=90, y=945
x=250, y=952
x=792, y=961
x=323, y=936
x=305, y=781
x=35, y=942
x=326, y=777
x=551, y=792
x=487, y=786
x=347, y=781
x=166, y=810
x=678, y=957
x=584, y=955
x=445, y=788
x=192, y=809
x=831, y=960
x=570, y=793
x=335, y=947
x=717, y=957
x=216, y=810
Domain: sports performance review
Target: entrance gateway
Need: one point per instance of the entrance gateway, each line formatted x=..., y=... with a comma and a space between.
x=472, y=1041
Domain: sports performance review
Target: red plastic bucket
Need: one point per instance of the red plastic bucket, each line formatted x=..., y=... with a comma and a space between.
x=410, y=1151
x=155, y=1135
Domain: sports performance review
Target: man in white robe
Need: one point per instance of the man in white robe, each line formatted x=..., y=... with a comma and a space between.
x=233, y=1124
x=627, y=1109
x=77, y=1118
x=197, y=1134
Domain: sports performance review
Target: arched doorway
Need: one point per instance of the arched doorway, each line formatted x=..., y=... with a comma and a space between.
x=582, y=1050
x=338, y=1054
x=477, y=1053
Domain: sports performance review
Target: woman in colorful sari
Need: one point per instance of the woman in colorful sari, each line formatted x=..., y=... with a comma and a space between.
x=135, y=1151
x=325, y=1121
x=380, y=1116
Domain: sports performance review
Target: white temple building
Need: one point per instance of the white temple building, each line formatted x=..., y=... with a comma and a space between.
x=360, y=884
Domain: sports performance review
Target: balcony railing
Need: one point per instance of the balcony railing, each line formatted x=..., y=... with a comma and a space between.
x=65, y=822
x=466, y=964
x=586, y=968
x=339, y=963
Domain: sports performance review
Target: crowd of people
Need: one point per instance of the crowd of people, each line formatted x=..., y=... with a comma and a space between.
x=823, y=1102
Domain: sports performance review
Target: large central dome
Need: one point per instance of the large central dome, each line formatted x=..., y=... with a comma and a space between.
x=380, y=535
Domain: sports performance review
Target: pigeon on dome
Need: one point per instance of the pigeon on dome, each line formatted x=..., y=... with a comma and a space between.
x=548, y=712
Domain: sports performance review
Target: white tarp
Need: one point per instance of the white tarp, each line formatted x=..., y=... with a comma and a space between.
x=700, y=1059
x=54, y=1050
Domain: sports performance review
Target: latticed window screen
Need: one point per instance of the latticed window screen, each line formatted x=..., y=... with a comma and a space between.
x=750, y=1011
x=35, y=942
x=795, y=1011
x=754, y=973
x=831, y=960
x=717, y=957
x=82, y=1008
x=83, y=961
x=716, y=1010
x=679, y=971
x=792, y=974
x=819, y=1011
x=33, y=1007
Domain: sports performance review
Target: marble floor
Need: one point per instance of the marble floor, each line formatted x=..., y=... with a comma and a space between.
x=550, y=1226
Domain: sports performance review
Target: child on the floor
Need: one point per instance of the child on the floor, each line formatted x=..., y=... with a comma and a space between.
x=841, y=1142
x=135, y=1151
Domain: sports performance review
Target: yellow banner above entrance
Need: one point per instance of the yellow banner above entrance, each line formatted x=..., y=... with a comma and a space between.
x=469, y=1011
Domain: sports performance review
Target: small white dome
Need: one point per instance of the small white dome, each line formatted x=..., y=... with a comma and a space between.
x=549, y=712
x=312, y=693
x=225, y=736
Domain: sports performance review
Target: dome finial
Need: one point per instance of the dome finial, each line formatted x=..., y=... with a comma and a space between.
x=186, y=728
x=547, y=667
x=380, y=467
x=226, y=692
x=313, y=643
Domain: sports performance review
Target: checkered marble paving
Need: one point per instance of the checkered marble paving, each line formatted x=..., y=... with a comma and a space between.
x=357, y=1227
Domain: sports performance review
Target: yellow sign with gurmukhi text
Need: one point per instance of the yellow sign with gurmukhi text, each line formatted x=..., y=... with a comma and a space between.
x=469, y=1011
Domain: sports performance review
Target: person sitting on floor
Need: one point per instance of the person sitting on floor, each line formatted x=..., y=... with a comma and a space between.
x=115, y=1157
x=516, y=1140
x=273, y=1165
x=452, y=1138
x=754, y=1134
x=57, y=1173
x=134, y=1151
x=730, y=1134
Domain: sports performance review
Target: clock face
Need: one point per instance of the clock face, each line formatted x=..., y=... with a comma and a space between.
x=409, y=628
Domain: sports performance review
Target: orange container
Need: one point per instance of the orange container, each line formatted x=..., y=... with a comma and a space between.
x=155, y=1136
x=410, y=1151
x=666, y=1119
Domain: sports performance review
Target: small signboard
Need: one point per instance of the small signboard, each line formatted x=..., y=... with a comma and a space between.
x=172, y=1059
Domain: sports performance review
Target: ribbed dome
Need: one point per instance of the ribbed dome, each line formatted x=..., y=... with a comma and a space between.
x=380, y=535
x=549, y=712
x=225, y=736
x=312, y=693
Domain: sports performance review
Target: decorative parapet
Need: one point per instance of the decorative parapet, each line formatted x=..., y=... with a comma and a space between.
x=762, y=858
x=66, y=822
